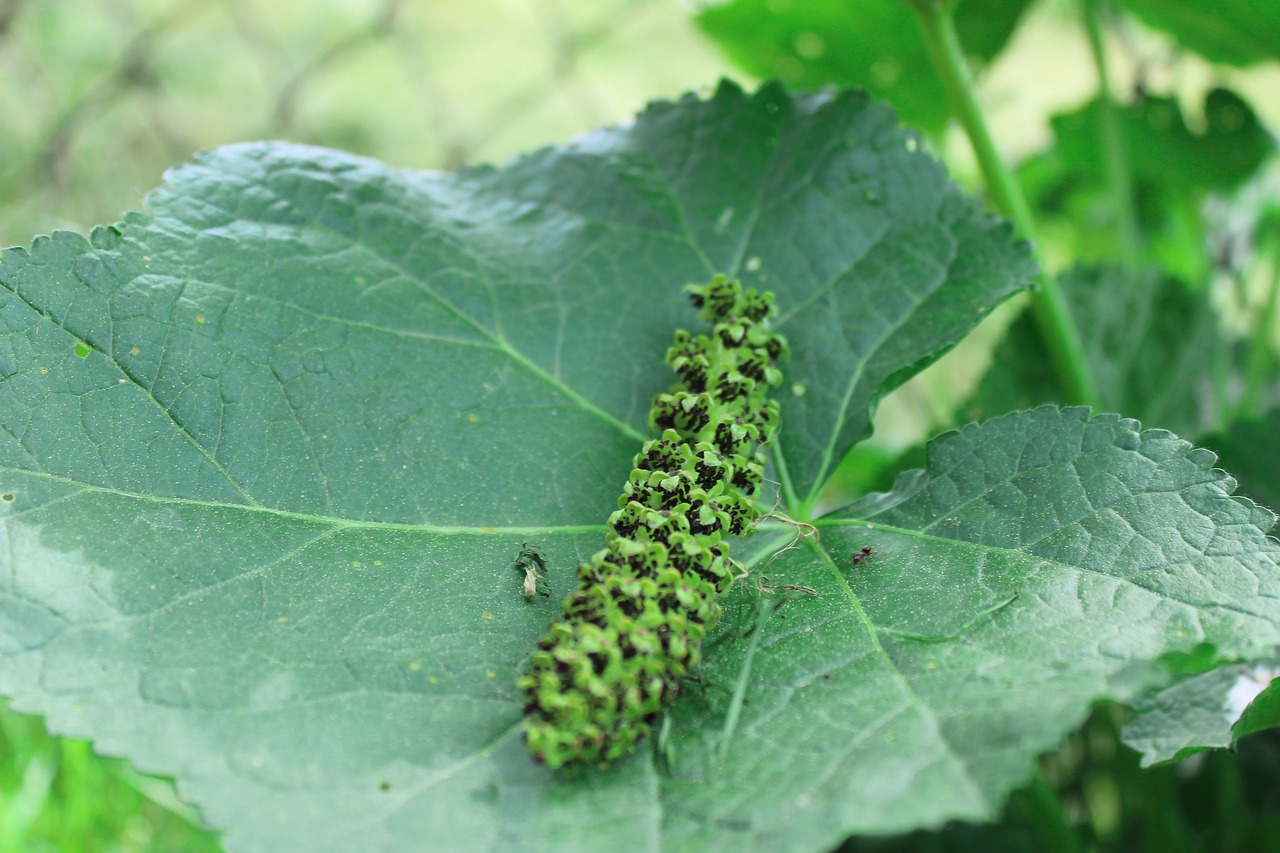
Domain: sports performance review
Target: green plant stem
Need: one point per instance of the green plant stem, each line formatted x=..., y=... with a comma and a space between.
x=1164, y=827
x=1048, y=303
x=1053, y=830
x=1235, y=821
x=1115, y=156
x=1259, y=367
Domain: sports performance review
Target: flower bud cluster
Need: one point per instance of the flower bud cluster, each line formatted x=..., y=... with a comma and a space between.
x=634, y=626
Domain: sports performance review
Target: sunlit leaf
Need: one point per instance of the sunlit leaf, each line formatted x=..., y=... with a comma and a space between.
x=269, y=450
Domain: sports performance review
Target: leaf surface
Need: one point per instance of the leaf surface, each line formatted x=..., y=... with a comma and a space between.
x=267, y=452
x=1045, y=560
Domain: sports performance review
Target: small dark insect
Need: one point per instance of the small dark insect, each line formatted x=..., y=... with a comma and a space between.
x=860, y=557
x=532, y=562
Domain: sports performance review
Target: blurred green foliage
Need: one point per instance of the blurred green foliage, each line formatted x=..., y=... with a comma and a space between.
x=1238, y=32
x=103, y=97
x=1152, y=344
x=57, y=795
x=870, y=44
x=1174, y=168
x=1096, y=797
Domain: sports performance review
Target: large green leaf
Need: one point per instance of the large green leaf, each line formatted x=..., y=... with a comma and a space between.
x=874, y=44
x=1237, y=32
x=268, y=451
x=1044, y=560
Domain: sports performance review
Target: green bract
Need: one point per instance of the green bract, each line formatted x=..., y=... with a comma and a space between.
x=635, y=623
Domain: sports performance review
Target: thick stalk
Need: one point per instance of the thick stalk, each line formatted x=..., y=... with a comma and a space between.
x=1115, y=155
x=1048, y=304
x=1051, y=825
x=1258, y=370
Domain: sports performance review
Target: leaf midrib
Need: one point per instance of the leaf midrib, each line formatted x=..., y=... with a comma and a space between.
x=911, y=696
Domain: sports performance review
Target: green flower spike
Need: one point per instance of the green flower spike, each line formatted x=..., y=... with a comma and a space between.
x=634, y=626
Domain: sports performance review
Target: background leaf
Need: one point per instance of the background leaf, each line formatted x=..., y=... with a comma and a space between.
x=1236, y=32
x=267, y=452
x=1263, y=712
x=1210, y=710
x=1173, y=168
x=872, y=44
x=1164, y=150
x=1150, y=342
x=1249, y=451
